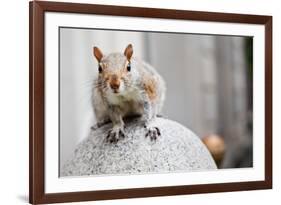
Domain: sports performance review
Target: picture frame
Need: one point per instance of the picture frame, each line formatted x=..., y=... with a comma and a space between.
x=37, y=109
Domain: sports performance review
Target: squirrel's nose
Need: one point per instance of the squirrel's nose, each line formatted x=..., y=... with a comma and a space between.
x=114, y=83
x=115, y=86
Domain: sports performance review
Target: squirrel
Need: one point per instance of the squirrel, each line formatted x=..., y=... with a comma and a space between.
x=126, y=86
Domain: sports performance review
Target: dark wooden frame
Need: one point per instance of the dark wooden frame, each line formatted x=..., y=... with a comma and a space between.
x=36, y=107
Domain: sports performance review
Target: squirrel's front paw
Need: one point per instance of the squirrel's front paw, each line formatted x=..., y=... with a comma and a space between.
x=153, y=133
x=114, y=135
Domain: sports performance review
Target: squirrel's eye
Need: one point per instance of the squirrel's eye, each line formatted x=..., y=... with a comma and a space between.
x=129, y=67
x=100, y=69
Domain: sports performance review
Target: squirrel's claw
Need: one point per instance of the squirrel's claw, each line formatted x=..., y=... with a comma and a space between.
x=114, y=136
x=99, y=124
x=153, y=133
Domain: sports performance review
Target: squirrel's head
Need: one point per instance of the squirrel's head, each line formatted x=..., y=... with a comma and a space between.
x=114, y=70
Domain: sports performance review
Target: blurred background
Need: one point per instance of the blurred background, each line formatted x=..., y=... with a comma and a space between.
x=208, y=78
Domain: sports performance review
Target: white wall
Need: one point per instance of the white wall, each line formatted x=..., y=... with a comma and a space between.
x=14, y=101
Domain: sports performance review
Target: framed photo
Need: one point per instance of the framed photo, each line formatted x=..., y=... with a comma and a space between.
x=139, y=102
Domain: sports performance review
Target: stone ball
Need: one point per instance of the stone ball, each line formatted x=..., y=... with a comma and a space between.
x=177, y=149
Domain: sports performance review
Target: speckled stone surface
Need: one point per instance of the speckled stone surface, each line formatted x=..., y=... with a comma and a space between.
x=177, y=149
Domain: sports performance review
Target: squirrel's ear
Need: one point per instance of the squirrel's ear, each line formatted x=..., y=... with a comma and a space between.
x=129, y=51
x=97, y=53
